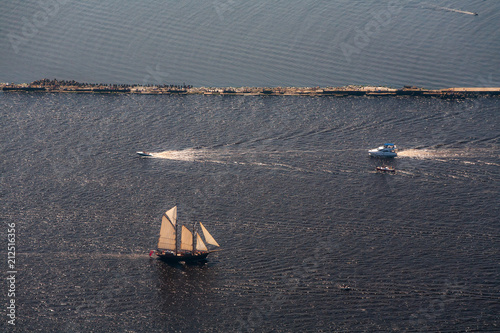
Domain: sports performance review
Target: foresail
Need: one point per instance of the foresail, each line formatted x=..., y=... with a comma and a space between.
x=172, y=215
x=210, y=240
x=186, y=239
x=167, y=235
x=200, y=246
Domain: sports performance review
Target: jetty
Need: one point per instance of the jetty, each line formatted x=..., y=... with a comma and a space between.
x=55, y=86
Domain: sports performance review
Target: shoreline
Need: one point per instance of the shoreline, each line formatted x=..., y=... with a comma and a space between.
x=54, y=86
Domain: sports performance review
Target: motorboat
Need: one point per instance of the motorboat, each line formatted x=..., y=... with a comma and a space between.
x=345, y=287
x=387, y=150
x=144, y=154
x=386, y=169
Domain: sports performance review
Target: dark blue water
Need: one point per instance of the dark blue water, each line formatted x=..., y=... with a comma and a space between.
x=285, y=186
x=257, y=43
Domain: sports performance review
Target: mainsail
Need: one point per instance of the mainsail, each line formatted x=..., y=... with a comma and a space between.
x=186, y=239
x=167, y=238
x=210, y=240
x=188, y=243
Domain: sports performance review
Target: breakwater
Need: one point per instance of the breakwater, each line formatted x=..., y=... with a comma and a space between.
x=55, y=86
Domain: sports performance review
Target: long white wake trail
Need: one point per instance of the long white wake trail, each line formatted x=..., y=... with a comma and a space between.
x=430, y=153
x=455, y=10
x=210, y=156
x=190, y=154
x=444, y=153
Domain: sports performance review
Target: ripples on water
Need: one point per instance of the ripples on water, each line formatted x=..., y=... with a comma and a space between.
x=262, y=43
x=286, y=187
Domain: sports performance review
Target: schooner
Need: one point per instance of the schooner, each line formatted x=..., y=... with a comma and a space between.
x=190, y=247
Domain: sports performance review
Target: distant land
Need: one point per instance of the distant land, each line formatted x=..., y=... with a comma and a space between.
x=63, y=86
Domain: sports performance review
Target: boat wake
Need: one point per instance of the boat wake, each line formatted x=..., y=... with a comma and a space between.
x=190, y=154
x=457, y=11
x=467, y=164
x=262, y=159
x=72, y=255
x=452, y=10
x=204, y=155
x=433, y=153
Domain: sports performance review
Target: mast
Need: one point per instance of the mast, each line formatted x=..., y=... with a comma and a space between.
x=194, y=238
x=176, y=233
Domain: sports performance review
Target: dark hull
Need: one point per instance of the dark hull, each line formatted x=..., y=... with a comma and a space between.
x=383, y=169
x=186, y=257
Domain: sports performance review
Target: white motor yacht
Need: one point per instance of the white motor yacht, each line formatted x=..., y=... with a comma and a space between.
x=387, y=150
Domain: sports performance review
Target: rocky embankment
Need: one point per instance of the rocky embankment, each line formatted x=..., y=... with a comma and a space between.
x=54, y=86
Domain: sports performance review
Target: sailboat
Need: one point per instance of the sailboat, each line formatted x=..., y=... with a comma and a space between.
x=190, y=247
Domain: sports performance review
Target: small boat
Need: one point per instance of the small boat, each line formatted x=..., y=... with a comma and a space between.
x=387, y=150
x=386, y=169
x=188, y=248
x=345, y=287
x=144, y=154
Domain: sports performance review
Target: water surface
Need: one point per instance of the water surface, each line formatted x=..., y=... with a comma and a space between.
x=262, y=43
x=285, y=186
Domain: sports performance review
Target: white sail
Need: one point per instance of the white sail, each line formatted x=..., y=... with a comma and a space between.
x=172, y=215
x=208, y=238
x=186, y=239
x=200, y=246
x=167, y=235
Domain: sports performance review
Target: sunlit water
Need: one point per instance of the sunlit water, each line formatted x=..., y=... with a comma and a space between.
x=285, y=185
